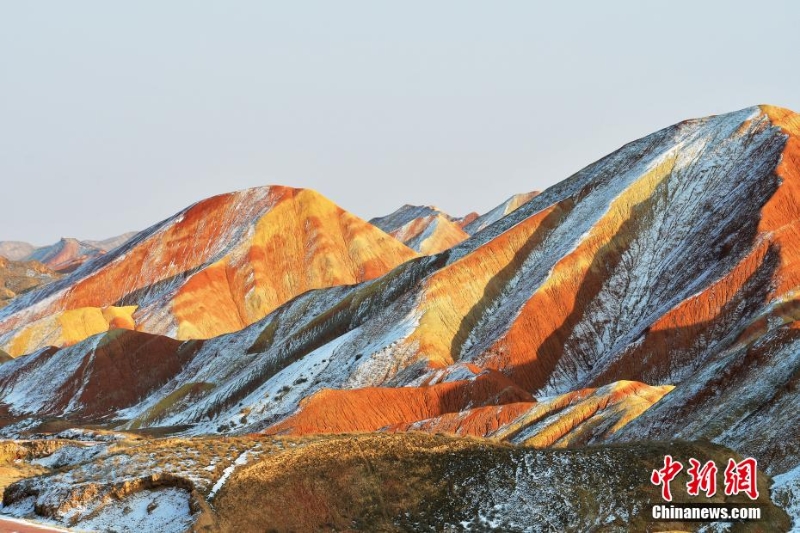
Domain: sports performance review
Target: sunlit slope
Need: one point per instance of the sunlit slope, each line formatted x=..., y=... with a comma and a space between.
x=220, y=265
x=66, y=328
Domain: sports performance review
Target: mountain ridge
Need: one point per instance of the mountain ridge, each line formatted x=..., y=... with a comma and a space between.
x=206, y=270
x=65, y=255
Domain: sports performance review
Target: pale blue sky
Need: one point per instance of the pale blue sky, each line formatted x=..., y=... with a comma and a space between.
x=114, y=115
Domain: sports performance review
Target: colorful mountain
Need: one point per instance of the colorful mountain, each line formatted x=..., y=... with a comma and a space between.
x=652, y=295
x=214, y=268
x=426, y=229
x=429, y=230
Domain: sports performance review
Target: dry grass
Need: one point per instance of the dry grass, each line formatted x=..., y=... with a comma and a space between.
x=421, y=482
x=389, y=482
x=15, y=459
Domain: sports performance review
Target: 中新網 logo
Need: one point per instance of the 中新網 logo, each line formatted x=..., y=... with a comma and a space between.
x=739, y=477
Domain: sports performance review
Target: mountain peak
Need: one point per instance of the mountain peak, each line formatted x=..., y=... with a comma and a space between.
x=215, y=267
x=424, y=228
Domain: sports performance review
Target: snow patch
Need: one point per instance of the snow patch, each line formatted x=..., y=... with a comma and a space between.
x=70, y=455
x=786, y=494
x=156, y=511
x=241, y=460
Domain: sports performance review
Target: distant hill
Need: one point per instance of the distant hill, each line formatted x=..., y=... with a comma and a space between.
x=426, y=229
x=18, y=277
x=63, y=256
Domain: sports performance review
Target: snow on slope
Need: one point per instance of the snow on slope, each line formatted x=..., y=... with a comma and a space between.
x=405, y=215
x=786, y=493
x=406, y=481
x=487, y=219
x=156, y=511
x=135, y=485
